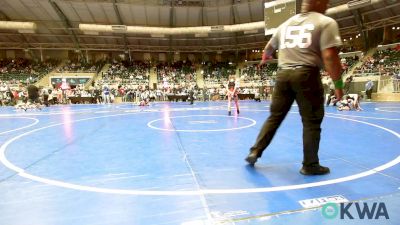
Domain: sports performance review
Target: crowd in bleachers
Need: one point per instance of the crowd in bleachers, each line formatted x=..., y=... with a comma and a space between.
x=81, y=66
x=132, y=73
x=130, y=80
x=256, y=75
x=16, y=74
x=20, y=69
x=349, y=62
x=178, y=74
x=383, y=62
x=217, y=73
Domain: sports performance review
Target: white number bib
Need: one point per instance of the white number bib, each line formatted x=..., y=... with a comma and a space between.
x=297, y=36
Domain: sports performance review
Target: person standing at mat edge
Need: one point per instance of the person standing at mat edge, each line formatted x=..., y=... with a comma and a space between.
x=306, y=42
x=232, y=93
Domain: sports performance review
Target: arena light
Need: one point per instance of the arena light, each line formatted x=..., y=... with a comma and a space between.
x=22, y=27
x=351, y=6
x=250, y=32
x=356, y=4
x=118, y=28
x=198, y=31
x=219, y=28
x=337, y=9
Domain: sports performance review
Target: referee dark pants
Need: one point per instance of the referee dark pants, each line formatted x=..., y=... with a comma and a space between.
x=46, y=99
x=368, y=93
x=191, y=96
x=33, y=98
x=303, y=85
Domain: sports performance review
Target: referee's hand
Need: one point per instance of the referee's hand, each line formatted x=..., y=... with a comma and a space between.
x=264, y=59
x=338, y=95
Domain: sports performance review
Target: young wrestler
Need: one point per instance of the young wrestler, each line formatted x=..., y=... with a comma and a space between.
x=232, y=92
x=349, y=103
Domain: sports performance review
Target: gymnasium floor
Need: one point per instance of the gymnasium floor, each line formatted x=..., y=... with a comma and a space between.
x=181, y=164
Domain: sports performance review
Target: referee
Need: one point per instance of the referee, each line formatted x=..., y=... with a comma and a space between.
x=306, y=42
x=33, y=93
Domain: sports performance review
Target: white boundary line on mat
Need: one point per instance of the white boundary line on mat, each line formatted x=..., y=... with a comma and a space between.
x=21, y=172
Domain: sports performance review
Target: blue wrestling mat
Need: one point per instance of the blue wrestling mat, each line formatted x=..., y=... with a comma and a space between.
x=181, y=164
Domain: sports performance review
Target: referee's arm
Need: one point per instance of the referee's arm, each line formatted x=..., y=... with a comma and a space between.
x=271, y=47
x=332, y=64
x=267, y=54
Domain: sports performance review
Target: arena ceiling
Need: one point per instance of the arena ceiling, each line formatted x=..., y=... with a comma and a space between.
x=58, y=22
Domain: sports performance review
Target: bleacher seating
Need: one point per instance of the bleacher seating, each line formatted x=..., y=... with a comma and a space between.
x=217, y=73
x=23, y=69
x=81, y=67
x=132, y=73
x=383, y=62
x=131, y=79
x=182, y=74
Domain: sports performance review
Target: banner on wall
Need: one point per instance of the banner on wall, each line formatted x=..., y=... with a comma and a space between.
x=70, y=81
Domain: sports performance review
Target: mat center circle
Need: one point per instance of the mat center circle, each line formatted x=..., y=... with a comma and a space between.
x=201, y=123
